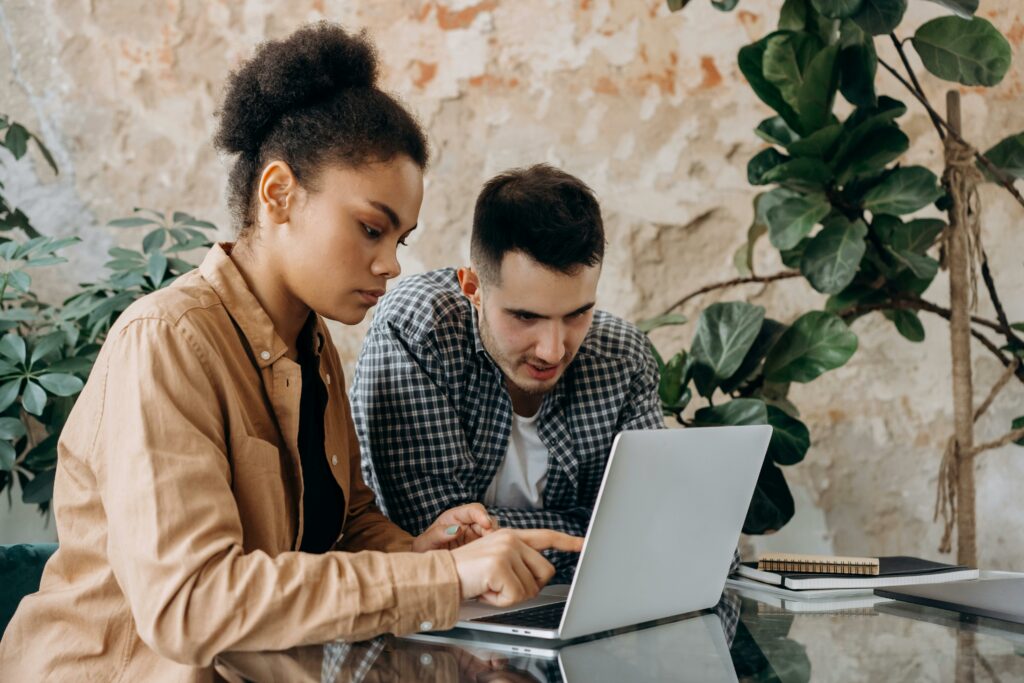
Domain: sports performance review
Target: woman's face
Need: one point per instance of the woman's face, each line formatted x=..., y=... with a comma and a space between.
x=338, y=246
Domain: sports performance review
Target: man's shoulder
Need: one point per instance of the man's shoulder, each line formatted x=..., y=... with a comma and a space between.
x=428, y=305
x=613, y=339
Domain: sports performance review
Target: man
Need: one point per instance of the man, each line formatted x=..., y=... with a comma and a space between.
x=501, y=383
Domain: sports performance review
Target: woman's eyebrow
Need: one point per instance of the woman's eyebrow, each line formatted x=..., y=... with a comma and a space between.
x=390, y=213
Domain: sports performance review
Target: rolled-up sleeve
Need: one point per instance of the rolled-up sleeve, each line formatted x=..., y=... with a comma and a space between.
x=175, y=535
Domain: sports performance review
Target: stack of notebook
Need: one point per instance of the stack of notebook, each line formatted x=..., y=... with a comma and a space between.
x=820, y=576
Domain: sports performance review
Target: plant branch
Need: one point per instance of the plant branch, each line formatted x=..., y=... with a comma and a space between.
x=996, y=172
x=1009, y=437
x=764, y=279
x=990, y=285
x=917, y=85
x=1008, y=372
x=922, y=305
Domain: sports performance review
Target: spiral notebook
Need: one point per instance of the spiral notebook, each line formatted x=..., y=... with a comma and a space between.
x=892, y=571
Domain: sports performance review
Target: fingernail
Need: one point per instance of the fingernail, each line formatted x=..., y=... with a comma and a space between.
x=452, y=530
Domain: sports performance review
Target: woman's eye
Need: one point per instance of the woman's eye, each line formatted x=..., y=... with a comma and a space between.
x=372, y=233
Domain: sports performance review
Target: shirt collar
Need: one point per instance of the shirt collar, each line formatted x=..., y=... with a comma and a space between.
x=224, y=277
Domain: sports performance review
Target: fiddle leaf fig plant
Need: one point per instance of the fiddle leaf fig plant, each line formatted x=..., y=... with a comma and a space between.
x=843, y=211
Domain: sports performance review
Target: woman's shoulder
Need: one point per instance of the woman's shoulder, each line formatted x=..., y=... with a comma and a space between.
x=190, y=305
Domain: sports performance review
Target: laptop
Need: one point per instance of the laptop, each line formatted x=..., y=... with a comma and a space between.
x=993, y=598
x=661, y=538
x=689, y=649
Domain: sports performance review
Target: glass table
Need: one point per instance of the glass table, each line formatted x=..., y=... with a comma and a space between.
x=746, y=637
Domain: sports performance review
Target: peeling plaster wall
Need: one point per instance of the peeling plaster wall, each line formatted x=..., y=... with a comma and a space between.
x=647, y=107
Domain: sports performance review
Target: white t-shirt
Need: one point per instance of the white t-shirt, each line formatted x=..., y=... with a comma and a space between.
x=519, y=481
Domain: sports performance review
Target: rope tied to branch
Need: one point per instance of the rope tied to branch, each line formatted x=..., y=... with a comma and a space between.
x=962, y=179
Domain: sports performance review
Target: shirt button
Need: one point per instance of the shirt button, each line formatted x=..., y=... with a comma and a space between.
x=265, y=355
x=426, y=625
x=426, y=660
x=334, y=460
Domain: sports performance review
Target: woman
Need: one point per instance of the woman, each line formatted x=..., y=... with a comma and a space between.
x=208, y=494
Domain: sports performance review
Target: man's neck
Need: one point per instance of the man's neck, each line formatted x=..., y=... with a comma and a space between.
x=523, y=404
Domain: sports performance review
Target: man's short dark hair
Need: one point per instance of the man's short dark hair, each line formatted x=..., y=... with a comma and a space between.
x=547, y=214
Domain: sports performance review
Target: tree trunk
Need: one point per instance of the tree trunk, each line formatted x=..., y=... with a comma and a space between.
x=958, y=255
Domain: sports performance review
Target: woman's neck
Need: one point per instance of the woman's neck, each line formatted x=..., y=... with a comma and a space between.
x=265, y=282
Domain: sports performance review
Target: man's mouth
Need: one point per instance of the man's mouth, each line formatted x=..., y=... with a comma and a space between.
x=541, y=372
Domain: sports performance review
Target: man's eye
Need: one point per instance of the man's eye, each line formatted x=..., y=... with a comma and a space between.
x=525, y=317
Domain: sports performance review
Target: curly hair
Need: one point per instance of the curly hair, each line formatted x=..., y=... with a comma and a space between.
x=310, y=99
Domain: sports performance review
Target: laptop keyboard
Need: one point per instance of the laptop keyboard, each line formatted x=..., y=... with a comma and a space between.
x=545, y=616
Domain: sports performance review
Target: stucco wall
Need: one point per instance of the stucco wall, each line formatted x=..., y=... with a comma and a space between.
x=647, y=107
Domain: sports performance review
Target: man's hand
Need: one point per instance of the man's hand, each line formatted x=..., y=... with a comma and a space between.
x=505, y=567
x=455, y=527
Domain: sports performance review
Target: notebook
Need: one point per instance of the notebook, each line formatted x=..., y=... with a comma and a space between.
x=892, y=571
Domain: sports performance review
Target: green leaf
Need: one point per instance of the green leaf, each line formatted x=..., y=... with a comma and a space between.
x=962, y=8
x=816, y=343
x=133, y=222
x=775, y=131
x=739, y=411
x=971, y=52
x=72, y=365
x=40, y=489
x=751, y=58
x=46, y=153
x=60, y=384
x=11, y=428
x=791, y=258
x=8, y=456
x=761, y=163
x=832, y=258
x=923, y=267
x=771, y=507
x=1018, y=326
x=33, y=398
x=793, y=15
x=818, y=91
x=870, y=152
x=156, y=267
x=769, y=333
x=1015, y=425
x=744, y=256
x=837, y=9
x=16, y=140
x=154, y=240
x=1008, y=157
x=907, y=324
x=724, y=5
x=905, y=190
x=819, y=144
x=878, y=17
x=649, y=324
x=917, y=236
x=858, y=66
x=787, y=56
x=46, y=345
x=790, y=437
x=794, y=218
x=20, y=280
x=13, y=346
x=673, y=380
x=725, y=332
x=804, y=175
x=9, y=393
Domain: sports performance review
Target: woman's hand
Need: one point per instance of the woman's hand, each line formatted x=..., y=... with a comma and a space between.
x=456, y=527
x=505, y=567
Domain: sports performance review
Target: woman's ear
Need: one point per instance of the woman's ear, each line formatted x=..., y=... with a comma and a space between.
x=469, y=281
x=278, y=190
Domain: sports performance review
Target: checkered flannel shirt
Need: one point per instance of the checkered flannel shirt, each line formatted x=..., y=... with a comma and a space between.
x=433, y=415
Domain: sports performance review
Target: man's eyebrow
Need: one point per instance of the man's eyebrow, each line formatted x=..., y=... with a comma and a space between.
x=390, y=213
x=531, y=314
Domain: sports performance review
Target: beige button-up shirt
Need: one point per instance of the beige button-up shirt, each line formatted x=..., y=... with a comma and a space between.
x=178, y=502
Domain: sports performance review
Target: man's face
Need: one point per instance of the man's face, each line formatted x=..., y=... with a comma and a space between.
x=533, y=319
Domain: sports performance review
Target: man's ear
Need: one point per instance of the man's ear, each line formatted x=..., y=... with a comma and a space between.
x=278, y=191
x=469, y=282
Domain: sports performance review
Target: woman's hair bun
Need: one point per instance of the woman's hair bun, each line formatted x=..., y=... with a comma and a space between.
x=311, y=65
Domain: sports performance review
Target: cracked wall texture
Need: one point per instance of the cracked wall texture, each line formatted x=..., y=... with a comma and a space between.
x=646, y=106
